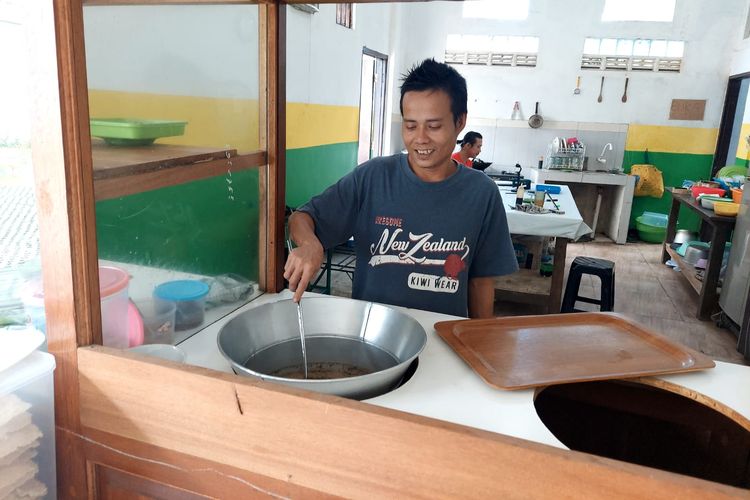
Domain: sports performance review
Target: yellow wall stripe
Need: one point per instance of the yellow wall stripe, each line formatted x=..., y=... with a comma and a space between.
x=317, y=124
x=742, y=149
x=667, y=139
x=212, y=122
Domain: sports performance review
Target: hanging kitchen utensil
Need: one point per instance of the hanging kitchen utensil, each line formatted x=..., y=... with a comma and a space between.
x=577, y=90
x=516, y=114
x=536, y=119
x=601, y=89
x=625, y=93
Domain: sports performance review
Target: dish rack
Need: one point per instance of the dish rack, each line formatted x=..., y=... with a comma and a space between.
x=560, y=157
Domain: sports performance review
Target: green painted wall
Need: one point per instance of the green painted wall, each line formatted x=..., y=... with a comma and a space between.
x=309, y=171
x=195, y=227
x=192, y=227
x=675, y=168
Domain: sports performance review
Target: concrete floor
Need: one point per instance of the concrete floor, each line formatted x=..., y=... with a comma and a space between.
x=646, y=290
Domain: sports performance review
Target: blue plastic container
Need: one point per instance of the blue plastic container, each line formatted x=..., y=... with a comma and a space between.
x=189, y=297
x=550, y=188
x=654, y=219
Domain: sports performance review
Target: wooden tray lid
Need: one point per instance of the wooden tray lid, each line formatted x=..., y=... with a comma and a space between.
x=528, y=351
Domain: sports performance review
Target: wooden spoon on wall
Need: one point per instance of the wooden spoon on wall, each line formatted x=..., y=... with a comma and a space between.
x=625, y=93
x=601, y=88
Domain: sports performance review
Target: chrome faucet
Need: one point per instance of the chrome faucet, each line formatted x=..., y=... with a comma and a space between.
x=601, y=159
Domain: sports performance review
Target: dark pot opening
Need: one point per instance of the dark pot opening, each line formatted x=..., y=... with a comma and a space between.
x=647, y=426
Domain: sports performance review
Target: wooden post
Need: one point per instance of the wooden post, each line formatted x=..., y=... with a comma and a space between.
x=61, y=153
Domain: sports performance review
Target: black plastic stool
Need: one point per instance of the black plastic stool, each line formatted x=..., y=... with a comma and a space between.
x=605, y=269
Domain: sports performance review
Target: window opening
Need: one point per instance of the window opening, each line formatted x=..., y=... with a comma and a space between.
x=345, y=15
x=372, y=105
x=21, y=290
x=638, y=10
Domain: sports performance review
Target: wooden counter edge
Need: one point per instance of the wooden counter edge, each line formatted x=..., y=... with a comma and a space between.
x=338, y=446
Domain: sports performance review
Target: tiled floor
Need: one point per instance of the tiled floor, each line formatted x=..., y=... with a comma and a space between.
x=645, y=290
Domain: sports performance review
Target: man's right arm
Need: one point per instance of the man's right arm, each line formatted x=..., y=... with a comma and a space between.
x=305, y=260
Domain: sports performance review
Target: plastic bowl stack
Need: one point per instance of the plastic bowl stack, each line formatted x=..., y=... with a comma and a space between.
x=652, y=227
x=708, y=201
x=727, y=209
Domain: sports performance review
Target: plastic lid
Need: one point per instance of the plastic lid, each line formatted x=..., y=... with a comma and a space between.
x=15, y=344
x=181, y=290
x=26, y=371
x=112, y=280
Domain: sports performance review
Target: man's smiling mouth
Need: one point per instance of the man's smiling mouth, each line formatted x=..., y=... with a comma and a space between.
x=424, y=151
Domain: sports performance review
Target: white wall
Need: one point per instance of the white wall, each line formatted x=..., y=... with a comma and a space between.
x=212, y=51
x=187, y=50
x=741, y=56
x=710, y=29
x=324, y=59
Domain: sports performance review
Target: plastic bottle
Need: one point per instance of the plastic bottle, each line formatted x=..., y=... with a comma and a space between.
x=546, y=262
x=519, y=196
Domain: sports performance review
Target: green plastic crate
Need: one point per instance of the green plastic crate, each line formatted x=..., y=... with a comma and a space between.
x=132, y=132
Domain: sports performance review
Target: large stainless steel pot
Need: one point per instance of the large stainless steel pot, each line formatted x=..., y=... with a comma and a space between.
x=376, y=338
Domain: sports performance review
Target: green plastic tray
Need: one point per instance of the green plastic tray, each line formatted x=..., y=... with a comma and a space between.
x=131, y=132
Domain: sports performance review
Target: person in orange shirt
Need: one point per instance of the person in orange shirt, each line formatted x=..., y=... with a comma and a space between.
x=471, y=146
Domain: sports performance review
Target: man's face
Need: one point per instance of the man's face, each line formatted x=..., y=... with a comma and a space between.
x=430, y=133
x=475, y=148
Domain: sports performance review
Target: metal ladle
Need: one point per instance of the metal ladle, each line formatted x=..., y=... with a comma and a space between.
x=300, y=321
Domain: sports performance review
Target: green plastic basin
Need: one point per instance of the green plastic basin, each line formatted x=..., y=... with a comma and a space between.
x=650, y=233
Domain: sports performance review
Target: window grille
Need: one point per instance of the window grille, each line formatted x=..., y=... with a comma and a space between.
x=623, y=54
x=492, y=50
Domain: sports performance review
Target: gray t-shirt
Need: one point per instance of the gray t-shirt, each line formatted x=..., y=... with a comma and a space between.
x=417, y=243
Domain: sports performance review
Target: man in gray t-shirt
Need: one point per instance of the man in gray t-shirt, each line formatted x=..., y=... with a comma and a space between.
x=429, y=233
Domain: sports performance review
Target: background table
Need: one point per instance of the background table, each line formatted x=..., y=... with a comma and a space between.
x=720, y=228
x=527, y=285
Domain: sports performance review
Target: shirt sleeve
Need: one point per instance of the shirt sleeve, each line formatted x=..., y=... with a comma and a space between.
x=495, y=255
x=335, y=211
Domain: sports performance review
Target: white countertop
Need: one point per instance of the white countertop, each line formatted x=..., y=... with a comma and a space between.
x=446, y=388
x=583, y=176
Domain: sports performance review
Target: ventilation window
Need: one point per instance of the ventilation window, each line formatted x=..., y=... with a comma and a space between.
x=642, y=63
x=622, y=54
x=345, y=15
x=477, y=58
x=492, y=50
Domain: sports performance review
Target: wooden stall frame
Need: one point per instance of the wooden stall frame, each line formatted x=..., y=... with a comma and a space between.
x=177, y=431
x=285, y=440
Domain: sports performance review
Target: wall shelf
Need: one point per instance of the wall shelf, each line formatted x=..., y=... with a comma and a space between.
x=122, y=171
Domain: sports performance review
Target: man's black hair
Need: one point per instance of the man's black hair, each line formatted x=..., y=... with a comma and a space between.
x=432, y=75
x=469, y=138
